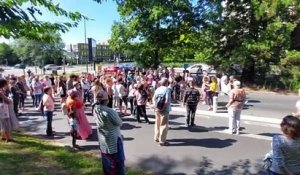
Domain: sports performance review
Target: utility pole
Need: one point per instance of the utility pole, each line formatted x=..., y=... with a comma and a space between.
x=85, y=44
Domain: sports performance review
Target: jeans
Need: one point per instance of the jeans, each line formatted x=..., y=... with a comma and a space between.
x=37, y=100
x=141, y=111
x=49, y=116
x=191, y=111
x=272, y=173
x=16, y=105
x=22, y=101
x=132, y=106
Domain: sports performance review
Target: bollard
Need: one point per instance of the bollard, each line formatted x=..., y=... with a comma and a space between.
x=215, y=104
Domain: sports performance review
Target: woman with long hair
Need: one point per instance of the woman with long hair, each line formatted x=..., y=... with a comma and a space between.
x=62, y=88
x=10, y=122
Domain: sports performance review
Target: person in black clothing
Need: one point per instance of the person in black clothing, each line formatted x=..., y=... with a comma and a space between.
x=191, y=99
x=23, y=93
x=15, y=93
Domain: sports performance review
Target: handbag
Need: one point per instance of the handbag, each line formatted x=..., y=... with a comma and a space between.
x=267, y=163
x=4, y=113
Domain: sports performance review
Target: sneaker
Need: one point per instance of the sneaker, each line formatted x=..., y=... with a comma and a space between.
x=237, y=132
x=132, y=116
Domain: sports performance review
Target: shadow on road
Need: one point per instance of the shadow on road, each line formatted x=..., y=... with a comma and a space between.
x=205, y=166
x=207, y=143
x=128, y=126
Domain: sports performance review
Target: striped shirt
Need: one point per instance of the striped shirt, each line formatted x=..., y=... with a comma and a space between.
x=286, y=155
x=108, y=128
x=191, y=96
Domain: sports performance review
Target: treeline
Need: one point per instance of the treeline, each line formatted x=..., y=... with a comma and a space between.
x=32, y=52
x=262, y=36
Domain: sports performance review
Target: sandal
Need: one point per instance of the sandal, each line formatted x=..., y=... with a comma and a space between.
x=164, y=144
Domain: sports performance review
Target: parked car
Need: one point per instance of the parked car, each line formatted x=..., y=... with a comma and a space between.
x=194, y=68
x=127, y=67
x=111, y=70
x=52, y=67
x=19, y=66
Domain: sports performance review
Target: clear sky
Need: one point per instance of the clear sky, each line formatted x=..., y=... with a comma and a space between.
x=99, y=28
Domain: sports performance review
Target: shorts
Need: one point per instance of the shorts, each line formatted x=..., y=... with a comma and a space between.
x=123, y=99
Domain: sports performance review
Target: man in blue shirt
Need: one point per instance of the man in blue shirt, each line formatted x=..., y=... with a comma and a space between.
x=162, y=116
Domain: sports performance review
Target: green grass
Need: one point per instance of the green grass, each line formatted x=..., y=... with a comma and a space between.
x=32, y=156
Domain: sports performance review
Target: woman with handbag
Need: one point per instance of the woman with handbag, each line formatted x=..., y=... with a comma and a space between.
x=8, y=119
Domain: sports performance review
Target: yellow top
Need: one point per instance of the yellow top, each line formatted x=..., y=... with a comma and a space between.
x=213, y=86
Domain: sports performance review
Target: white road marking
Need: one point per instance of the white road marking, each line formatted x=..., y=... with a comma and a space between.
x=262, y=124
x=254, y=136
x=225, y=115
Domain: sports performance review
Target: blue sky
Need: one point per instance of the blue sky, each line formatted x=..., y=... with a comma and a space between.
x=104, y=15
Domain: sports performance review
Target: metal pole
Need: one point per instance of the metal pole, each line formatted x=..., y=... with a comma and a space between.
x=87, y=65
x=65, y=65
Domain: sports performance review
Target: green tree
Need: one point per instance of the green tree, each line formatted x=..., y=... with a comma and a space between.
x=153, y=25
x=17, y=21
x=7, y=55
x=256, y=34
x=40, y=53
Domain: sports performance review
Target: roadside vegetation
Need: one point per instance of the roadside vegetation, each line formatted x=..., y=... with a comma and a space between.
x=30, y=155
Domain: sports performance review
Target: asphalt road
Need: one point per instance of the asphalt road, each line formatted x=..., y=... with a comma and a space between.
x=271, y=105
x=262, y=104
x=204, y=149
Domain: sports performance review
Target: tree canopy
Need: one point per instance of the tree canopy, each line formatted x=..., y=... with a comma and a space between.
x=18, y=20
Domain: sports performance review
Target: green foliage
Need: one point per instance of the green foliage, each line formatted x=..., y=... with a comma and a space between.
x=18, y=18
x=39, y=53
x=155, y=26
x=7, y=55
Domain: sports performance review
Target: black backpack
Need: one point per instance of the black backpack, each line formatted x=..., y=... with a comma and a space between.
x=160, y=101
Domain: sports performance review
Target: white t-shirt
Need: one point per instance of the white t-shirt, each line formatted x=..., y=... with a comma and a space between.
x=48, y=103
x=37, y=88
x=120, y=90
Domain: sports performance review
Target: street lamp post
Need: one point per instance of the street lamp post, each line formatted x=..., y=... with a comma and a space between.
x=87, y=65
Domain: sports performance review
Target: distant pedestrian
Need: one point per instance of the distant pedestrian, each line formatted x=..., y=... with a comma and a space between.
x=212, y=91
x=141, y=99
x=235, y=105
x=162, y=115
x=191, y=100
x=48, y=103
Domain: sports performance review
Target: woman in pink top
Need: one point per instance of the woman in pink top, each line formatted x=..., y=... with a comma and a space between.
x=48, y=103
x=141, y=99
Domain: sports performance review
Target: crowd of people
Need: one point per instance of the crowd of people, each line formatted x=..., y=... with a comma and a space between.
x=124, y=93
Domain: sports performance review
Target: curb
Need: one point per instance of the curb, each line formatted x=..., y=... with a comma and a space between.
x=225, y=115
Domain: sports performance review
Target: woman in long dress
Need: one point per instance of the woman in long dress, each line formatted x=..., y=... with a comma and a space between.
x=11, y=123
x=85, y=129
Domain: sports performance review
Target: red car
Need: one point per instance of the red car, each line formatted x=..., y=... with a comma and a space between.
x=111, y=70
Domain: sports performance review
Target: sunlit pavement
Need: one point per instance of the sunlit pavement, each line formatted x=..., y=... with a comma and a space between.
x=203, y=149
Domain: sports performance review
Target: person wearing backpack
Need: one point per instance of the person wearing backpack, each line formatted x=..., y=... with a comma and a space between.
x=162, y=101
x=191, y=100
